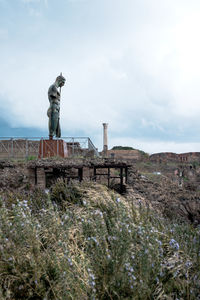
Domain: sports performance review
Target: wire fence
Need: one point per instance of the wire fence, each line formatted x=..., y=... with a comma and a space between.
x=27, y=147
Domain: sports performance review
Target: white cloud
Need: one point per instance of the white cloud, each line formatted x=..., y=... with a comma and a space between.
x=135, y=66
x=154, y=146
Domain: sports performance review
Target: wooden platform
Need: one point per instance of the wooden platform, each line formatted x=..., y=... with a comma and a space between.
x=79, y=170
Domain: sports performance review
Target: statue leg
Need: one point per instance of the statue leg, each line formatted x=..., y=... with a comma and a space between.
x=58, y=130
x=50, y=129
x=54, y=123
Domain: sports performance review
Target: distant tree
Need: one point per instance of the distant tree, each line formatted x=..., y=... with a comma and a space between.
x=122, y=148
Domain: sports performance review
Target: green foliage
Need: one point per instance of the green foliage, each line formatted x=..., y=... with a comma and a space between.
x=31, y=157
x=122, y=148
x=84, y=242
x=144, y=154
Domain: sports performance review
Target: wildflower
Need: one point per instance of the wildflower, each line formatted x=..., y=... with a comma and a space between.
x=118, y=200
x=92, y=276
x=92, y=283
x=70, y=261
x=89, y=270
x=188, y=264
x=84, y=202
x=174, y=244
x=91, y=279
x=176, y=273
x=161, y=274
x=131, y=270
x=157, y=280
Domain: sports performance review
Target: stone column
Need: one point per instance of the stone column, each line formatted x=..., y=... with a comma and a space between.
x=105, y=139
x=41, y=178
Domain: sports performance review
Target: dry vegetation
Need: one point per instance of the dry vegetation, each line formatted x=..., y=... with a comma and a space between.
x=87, y=242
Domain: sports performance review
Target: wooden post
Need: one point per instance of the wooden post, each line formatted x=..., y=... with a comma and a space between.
x=95, y=176
x=126, y=175
x=121, y=179
x=35, y=175
x=80, y=174
x=108, y=177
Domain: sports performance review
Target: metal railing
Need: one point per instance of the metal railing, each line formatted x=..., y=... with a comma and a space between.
x=26, y=147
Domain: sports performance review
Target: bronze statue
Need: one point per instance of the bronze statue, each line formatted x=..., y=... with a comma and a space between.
x=54, y=110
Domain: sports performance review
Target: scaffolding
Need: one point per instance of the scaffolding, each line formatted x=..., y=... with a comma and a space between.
x=27, y=147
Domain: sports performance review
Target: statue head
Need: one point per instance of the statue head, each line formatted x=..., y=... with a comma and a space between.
x=60, y=80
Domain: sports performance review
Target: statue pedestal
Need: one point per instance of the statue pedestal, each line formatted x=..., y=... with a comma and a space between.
x=50, y=148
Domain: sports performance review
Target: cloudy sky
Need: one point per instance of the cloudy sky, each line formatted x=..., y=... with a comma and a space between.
x=134, y=64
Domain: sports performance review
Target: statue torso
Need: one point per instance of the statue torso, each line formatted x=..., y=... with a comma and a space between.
x=54, y=99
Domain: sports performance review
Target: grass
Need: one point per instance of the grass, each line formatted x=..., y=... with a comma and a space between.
x=87, y=242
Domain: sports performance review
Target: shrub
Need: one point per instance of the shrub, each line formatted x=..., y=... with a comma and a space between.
x=100, y=246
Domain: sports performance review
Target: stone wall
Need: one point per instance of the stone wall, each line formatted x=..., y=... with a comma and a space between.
x=132, y=155
x=189, y=157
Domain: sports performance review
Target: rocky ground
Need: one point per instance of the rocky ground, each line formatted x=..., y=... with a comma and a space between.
x=166, y=197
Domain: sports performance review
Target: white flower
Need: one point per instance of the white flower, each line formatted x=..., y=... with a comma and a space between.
x=118, y=200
